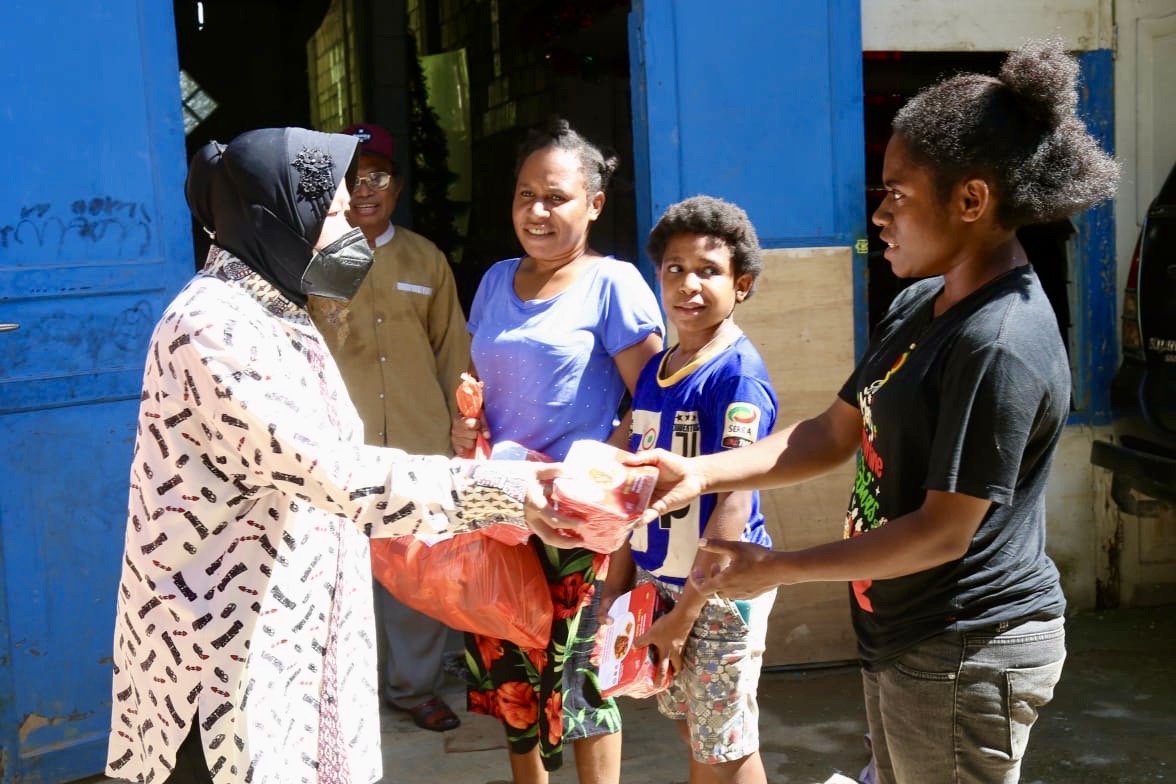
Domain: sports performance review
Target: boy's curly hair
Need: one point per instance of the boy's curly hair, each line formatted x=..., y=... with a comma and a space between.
x=1019, y=132
x=596, y=163
x=711, y=217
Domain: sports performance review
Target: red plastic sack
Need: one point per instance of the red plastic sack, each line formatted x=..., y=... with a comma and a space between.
x=472, y=583
x=510, y=535
x=469, y=403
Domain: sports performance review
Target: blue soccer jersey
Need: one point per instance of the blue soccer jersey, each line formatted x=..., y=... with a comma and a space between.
x=722, y=400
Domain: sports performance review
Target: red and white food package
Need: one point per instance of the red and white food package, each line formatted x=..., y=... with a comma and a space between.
x=625, y=669
x=599, y=489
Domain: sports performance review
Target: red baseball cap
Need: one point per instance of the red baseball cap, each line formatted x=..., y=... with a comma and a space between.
x=373, y=139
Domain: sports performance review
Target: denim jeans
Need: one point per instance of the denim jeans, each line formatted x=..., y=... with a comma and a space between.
x=957, y=708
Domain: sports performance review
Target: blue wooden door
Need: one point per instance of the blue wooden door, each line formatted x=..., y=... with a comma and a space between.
x=760, y=102
x=755, y=101
x=94, y=240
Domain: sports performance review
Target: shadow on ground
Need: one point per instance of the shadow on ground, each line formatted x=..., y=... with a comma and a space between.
x=1113, y=719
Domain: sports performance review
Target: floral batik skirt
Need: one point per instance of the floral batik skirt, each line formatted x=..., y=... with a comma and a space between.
x=549, y=695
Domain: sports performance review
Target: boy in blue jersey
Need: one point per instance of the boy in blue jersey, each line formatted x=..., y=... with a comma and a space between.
x=710, y=392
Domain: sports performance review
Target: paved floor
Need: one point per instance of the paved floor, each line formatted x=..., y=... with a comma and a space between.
x=1113, y=719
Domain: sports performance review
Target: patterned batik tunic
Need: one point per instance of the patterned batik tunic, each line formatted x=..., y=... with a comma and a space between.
x=251, y=494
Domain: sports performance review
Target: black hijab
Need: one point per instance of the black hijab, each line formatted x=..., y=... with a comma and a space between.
x=265, y=197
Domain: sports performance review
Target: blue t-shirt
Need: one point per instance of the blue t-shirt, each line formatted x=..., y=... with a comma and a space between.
x=718, y=401
x=547, y=365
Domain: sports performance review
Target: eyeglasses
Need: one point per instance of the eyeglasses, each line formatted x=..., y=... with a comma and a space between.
x=377, y=181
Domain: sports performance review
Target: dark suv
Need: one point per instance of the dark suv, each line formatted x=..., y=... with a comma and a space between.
x=1143, y=392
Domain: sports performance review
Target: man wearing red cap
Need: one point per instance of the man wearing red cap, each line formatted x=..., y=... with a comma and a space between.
x=401, y=345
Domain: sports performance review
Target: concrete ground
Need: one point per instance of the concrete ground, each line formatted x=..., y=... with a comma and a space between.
x=1113, y=719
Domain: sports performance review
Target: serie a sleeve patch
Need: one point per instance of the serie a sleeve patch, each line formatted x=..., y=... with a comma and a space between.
x=740, y=425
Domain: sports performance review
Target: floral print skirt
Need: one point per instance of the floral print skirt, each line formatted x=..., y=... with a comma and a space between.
x=549, y=695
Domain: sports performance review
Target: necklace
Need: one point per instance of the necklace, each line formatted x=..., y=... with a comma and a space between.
x=676, y=351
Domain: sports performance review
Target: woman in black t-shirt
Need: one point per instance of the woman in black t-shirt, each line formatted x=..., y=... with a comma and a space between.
x=956, y=408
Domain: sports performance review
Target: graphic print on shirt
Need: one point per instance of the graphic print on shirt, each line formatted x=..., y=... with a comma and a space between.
x=646, y=424
x=681, y=523
x=863, y=506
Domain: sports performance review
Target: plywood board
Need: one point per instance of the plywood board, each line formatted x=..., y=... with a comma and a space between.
x=801, y=321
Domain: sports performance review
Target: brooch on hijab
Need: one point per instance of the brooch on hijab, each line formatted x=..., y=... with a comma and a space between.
x=314, y=173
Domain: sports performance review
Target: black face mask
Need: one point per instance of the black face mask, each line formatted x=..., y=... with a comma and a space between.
x=337, y=270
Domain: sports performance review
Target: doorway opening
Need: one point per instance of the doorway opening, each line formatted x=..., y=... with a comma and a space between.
x=243, y=66
x=524, y=60
x=527, y=60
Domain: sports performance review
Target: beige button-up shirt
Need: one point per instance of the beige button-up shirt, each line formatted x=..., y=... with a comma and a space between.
x=401, y=344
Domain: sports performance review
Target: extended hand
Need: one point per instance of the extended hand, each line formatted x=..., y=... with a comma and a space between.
x=607, y=598
x=551, y=527
x=668, y=636
x=678, y=482
x=753, y=570
x=464, y=434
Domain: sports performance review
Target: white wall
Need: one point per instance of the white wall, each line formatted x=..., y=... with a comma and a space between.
x=992, y=25
x=1145, y=114
x=1072, y=533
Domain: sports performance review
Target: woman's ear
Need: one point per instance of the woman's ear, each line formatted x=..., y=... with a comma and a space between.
x=974, y=199
x=743, y=286
x=595, y=205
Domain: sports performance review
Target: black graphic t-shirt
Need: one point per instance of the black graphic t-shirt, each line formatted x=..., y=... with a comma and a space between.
x=971, y=402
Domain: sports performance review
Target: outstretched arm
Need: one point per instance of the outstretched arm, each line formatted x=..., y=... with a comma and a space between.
x=802, y=451
x=937, y=532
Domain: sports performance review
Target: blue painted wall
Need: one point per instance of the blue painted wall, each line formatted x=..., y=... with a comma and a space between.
x=1095, y=340
x=95, y=239
x=760, y=104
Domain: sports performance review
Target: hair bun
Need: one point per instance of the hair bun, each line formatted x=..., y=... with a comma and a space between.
x=611, y=162
x=1044, y=78
x=556, y=126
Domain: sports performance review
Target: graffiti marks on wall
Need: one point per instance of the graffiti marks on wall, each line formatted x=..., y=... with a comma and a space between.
x=97, y=228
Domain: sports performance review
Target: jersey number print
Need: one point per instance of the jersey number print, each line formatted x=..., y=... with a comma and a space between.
x=682, y=523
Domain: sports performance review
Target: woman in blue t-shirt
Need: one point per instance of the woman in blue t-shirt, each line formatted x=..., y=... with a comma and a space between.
x=955, y=411
x=559, y=335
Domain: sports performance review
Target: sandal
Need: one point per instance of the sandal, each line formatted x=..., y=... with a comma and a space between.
x=432, y=714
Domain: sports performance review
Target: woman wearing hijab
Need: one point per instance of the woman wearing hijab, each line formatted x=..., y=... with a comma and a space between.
x=243, y=647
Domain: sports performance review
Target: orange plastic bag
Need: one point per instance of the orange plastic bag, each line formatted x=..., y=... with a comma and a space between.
x=472, y=583
x=505, y=533
x=469, y=403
